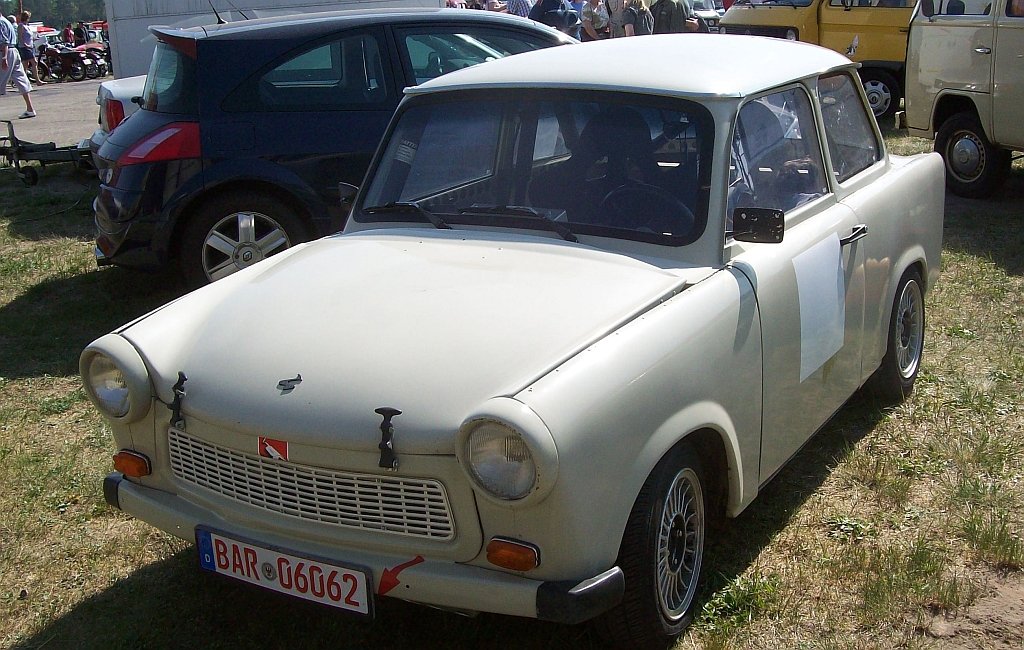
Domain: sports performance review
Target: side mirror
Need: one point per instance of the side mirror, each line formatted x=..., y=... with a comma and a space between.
x=346, y=193
x=758, y=225
x=137, y=100
x=927, y=8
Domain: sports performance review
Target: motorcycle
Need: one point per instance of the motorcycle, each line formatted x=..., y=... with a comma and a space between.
x=95, y=60
x=61, y=62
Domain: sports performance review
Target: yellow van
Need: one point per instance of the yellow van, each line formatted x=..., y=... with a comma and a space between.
x=872, y=32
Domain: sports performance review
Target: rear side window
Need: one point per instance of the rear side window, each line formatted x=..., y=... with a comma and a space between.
x=171, y=82
x=851, y=139
x=434, y=52
x=343, y=74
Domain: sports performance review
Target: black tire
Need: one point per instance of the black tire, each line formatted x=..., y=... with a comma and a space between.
x=92, y=71
x=217, y=228
x=29, y=176
x=661, y=555
x=975, y=167
x=77, y=72
x=883, y=92
x=894, y=379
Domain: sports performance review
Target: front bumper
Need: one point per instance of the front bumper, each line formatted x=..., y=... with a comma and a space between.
x=444, y=584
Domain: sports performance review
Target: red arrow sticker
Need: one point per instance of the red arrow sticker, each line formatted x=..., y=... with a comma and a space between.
x=389, y=577
x=270, y=448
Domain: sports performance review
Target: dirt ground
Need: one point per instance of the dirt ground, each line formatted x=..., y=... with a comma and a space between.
x=994, y=622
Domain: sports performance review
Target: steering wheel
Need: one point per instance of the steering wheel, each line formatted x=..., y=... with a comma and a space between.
x=639, y=206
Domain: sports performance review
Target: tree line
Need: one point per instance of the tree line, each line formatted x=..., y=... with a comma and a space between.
x=57, y=13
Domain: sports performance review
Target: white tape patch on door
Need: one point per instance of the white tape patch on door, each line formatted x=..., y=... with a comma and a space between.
x=822, y=291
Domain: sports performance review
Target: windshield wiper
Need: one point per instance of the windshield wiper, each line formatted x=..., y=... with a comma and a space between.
x=409, y=206
x=558, y=227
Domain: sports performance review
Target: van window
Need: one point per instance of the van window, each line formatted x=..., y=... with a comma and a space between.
x=851, y=140
x=891, y=4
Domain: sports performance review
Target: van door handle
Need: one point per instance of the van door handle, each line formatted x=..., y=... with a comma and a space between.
x=859, y=231
x=981, y=49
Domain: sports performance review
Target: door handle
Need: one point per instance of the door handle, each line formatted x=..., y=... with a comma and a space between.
x=983, y=50
x=859, y=231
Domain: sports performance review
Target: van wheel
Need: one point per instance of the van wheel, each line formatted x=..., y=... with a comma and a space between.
x=661, y=555
x=883, y=92
x=974, y=166
x=894, y=379
x=234, y=231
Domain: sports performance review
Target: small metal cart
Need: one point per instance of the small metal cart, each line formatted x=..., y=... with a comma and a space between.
x=16, y=152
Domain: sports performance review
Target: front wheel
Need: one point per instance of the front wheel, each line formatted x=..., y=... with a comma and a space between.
x=235, y=231
x=661, y=555
x=894, y=379
x=974, y=166
x=92, y=71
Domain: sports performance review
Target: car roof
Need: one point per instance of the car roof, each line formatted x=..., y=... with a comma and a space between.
x=705, y=65
x=314, y=24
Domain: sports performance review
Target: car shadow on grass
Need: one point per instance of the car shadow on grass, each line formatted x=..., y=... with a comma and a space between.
x=46, y=327
x=992, y=227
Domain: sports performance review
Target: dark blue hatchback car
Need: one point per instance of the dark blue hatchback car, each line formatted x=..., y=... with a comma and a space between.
x=248, y=130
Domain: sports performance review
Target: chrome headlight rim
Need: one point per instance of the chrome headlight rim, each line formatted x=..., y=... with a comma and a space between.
x=535, y=437
x=124, y=359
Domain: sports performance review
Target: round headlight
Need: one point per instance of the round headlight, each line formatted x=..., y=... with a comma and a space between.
x=790, y=34
x=722, y=29
x=500, y=460
x=108, y=385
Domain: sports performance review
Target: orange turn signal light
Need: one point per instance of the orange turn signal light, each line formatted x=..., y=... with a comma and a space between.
x=512, y=554
x=132, y=463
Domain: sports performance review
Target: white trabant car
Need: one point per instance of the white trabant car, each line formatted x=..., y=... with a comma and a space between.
x=581, y=308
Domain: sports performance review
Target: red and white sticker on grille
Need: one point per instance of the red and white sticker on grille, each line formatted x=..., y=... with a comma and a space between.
x=276, y=449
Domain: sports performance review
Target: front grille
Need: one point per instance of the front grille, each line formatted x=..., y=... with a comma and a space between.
x=755, y=30
x=402, y=506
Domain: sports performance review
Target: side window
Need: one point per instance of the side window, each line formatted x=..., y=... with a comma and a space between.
x=436, y=52
x=1015, y=8
x=958, y=7
x=891, y=4
x=346, y=73
x=776, y=157
x=851, y=140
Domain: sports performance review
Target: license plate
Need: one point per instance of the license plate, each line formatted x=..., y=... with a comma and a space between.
x=308, y=578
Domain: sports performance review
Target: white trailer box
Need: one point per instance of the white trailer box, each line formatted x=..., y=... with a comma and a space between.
x=128, y=21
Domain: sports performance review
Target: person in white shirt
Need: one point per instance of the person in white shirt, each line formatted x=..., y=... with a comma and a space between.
x=11, y=68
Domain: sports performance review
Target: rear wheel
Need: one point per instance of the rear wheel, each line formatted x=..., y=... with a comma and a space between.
x=894, y=379
x=77, y=72
x=661, y=555
x=235, y=231
x=974, y=166
x=883, y=92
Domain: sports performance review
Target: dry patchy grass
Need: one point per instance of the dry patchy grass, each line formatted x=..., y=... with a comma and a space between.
x=889, y=520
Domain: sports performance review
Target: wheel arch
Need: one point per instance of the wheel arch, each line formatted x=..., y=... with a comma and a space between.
x=949, y=104
x=247, y=186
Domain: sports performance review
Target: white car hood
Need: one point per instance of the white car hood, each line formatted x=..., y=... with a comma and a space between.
x=431, y=323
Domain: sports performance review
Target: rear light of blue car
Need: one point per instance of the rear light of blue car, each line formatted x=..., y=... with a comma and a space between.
x=174, y=141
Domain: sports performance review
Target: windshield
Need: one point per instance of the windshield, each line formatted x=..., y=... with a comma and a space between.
x=606, y=164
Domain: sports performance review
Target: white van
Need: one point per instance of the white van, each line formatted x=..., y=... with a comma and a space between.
x=965, y=87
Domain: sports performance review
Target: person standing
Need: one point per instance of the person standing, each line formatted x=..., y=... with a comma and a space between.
x=28, y=54
x=11, y=68
x=615, y=11
x=67, y=34
x=81, y=34
x=595, y=20
x=637, y=19
x=519, y=7
x=673, y=17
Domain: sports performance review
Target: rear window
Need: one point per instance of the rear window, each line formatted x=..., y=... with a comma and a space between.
x=170, y=84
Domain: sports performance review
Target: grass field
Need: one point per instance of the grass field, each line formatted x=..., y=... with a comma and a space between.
x=892, y=528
